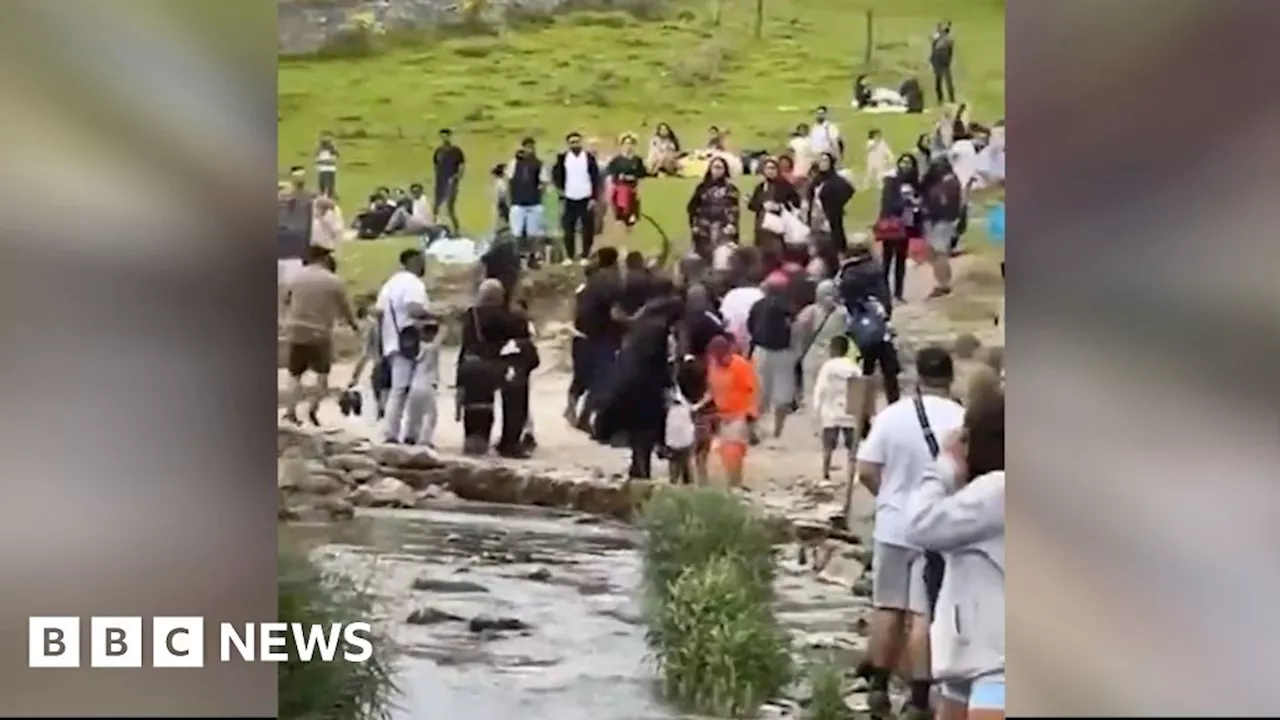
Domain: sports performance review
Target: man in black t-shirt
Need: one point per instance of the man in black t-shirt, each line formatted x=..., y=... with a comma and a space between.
x=448, y=162
x=502, y=263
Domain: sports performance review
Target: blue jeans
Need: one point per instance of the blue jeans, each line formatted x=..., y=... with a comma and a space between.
x=527, y=221
x=987, y=693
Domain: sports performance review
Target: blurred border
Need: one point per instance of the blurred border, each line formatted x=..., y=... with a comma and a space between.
x=139, y=343
x=1142, y=323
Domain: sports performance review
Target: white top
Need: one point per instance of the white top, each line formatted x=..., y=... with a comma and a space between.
x=824, y=137
x=735, y=308
x=831, y=392
x=896, y=443
x=398, y=293
x=326, y=160
x=964, y=161
x=577, y=177
x=421, y=210
x=880, y=162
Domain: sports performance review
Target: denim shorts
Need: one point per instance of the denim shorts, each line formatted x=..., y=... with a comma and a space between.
x=987, y=693
x=527, y=221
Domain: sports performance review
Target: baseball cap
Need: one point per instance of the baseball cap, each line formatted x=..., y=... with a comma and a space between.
x=934, y=366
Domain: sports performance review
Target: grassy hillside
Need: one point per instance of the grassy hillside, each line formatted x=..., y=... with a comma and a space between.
x=607, y=72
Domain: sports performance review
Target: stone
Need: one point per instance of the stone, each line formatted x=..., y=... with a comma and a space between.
x=539, y=575
x=360, y=476
x=385, y=493
x=966, y=346
x=432, y=616
x=436, y=585
x=862, y=587
x=354, y=461
x=322, y=482
x=291, y=471
x=337, y=507
x=486, y=623
x=431, y=496
x=406, y=457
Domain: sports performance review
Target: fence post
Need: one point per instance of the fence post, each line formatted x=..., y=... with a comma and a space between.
x=866, y=56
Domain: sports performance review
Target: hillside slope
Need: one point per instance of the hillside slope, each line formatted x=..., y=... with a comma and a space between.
x=607, y=72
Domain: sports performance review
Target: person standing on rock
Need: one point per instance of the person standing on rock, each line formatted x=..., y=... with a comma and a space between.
x=402, y=312
x=902, y=444
x=314, y=300
x=600, y=321
x=519, y=358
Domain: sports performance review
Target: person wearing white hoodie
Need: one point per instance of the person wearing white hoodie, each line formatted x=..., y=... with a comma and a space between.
x=958, y=511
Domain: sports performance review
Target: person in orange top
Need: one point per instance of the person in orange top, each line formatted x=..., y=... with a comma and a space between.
x=732, y=380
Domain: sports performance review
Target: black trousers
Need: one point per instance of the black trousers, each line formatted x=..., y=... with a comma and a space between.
x=328, y=183
x=643, y=443
x=884, y=357
x=446, y=196
x=577, y=213
x=942, y=81
x=895, y=265
x=934, y=568
x=515, y=414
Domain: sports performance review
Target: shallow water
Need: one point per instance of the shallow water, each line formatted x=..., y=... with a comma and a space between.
x=570, y=578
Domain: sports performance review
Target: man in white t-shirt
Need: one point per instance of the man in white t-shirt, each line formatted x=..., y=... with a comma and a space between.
x=402, y=304
x=824, y=135
x=735, y=308
x=891, y=464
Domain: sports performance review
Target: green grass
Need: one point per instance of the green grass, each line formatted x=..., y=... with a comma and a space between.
x=338, y=690
x=607, y=72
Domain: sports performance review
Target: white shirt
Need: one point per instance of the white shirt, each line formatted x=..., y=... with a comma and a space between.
x=577, y=176
x=394, y=298
x=735, y=308
x=897, y=444
x=880, y=162
x=421, y=210
x=824, y=137
x=964, y=161
x=831, y=392
x=326, y=160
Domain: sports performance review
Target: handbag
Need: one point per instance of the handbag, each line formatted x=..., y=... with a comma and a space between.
x=773, y=222
x=795, y=231
x=889, y=228
x=679, y=430
x=934, y=565
x=408, y=338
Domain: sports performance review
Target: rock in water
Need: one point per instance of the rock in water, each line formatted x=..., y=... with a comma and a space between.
x=427, y=584
x=431, y=616
x=388, y=492
x=483, y=623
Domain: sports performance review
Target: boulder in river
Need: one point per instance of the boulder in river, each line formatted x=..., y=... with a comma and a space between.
x=388, y=492
x=429, y=584
x=486, y=623
x=431, y=616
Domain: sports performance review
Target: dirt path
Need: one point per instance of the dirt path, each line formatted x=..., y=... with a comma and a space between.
x=783, y=473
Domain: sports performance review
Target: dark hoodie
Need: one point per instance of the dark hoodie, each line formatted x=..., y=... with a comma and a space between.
x=833, y=193
x=942, y=193
x=861, y=277
x=892, y=202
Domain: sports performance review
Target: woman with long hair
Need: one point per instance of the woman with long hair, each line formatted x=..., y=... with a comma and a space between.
x=901, y=219
x=773, y=196
x=624, y=173
x=664, y=151
x=714, y=209
x=828, y=195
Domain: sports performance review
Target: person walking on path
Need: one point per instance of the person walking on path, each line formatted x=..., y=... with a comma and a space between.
x=314, y=300
x=816, y=326
x=732, y=380
x=448, y=163
x=402, y=310
x=942, y=53
x=892, y=463
x=576, y=176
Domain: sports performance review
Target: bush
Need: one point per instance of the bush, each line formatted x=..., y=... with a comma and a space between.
x=688, y=527
x=718, y=649
x=826, y=702
x=337, y=690
x=704, y=65
x=361, y=36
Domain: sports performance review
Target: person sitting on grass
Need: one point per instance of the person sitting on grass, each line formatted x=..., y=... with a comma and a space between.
x=664, y=152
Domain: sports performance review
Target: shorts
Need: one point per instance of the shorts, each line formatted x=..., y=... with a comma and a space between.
x=832, y=437
x=984, y=693
x=776, y=370
x=626, y=206
x=316, y=357
x=897, y=579
x=527, y=221
x=938, y=235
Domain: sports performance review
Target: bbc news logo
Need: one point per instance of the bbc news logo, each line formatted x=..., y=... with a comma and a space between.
x=179, y=642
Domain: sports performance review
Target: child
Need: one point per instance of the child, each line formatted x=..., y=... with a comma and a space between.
x=501, y=201
x=835, y=385
x=732, y=382
x=428, y=371
x=380, y=379
x=692, y=401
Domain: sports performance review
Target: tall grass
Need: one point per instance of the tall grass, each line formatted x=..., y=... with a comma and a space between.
x=826, y=702
x=708, y=591
x=338, y=690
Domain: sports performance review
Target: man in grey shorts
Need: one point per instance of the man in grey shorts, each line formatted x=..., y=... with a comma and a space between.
x=892, y=461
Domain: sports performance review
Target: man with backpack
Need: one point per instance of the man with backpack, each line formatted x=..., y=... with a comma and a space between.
x=865, y=295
